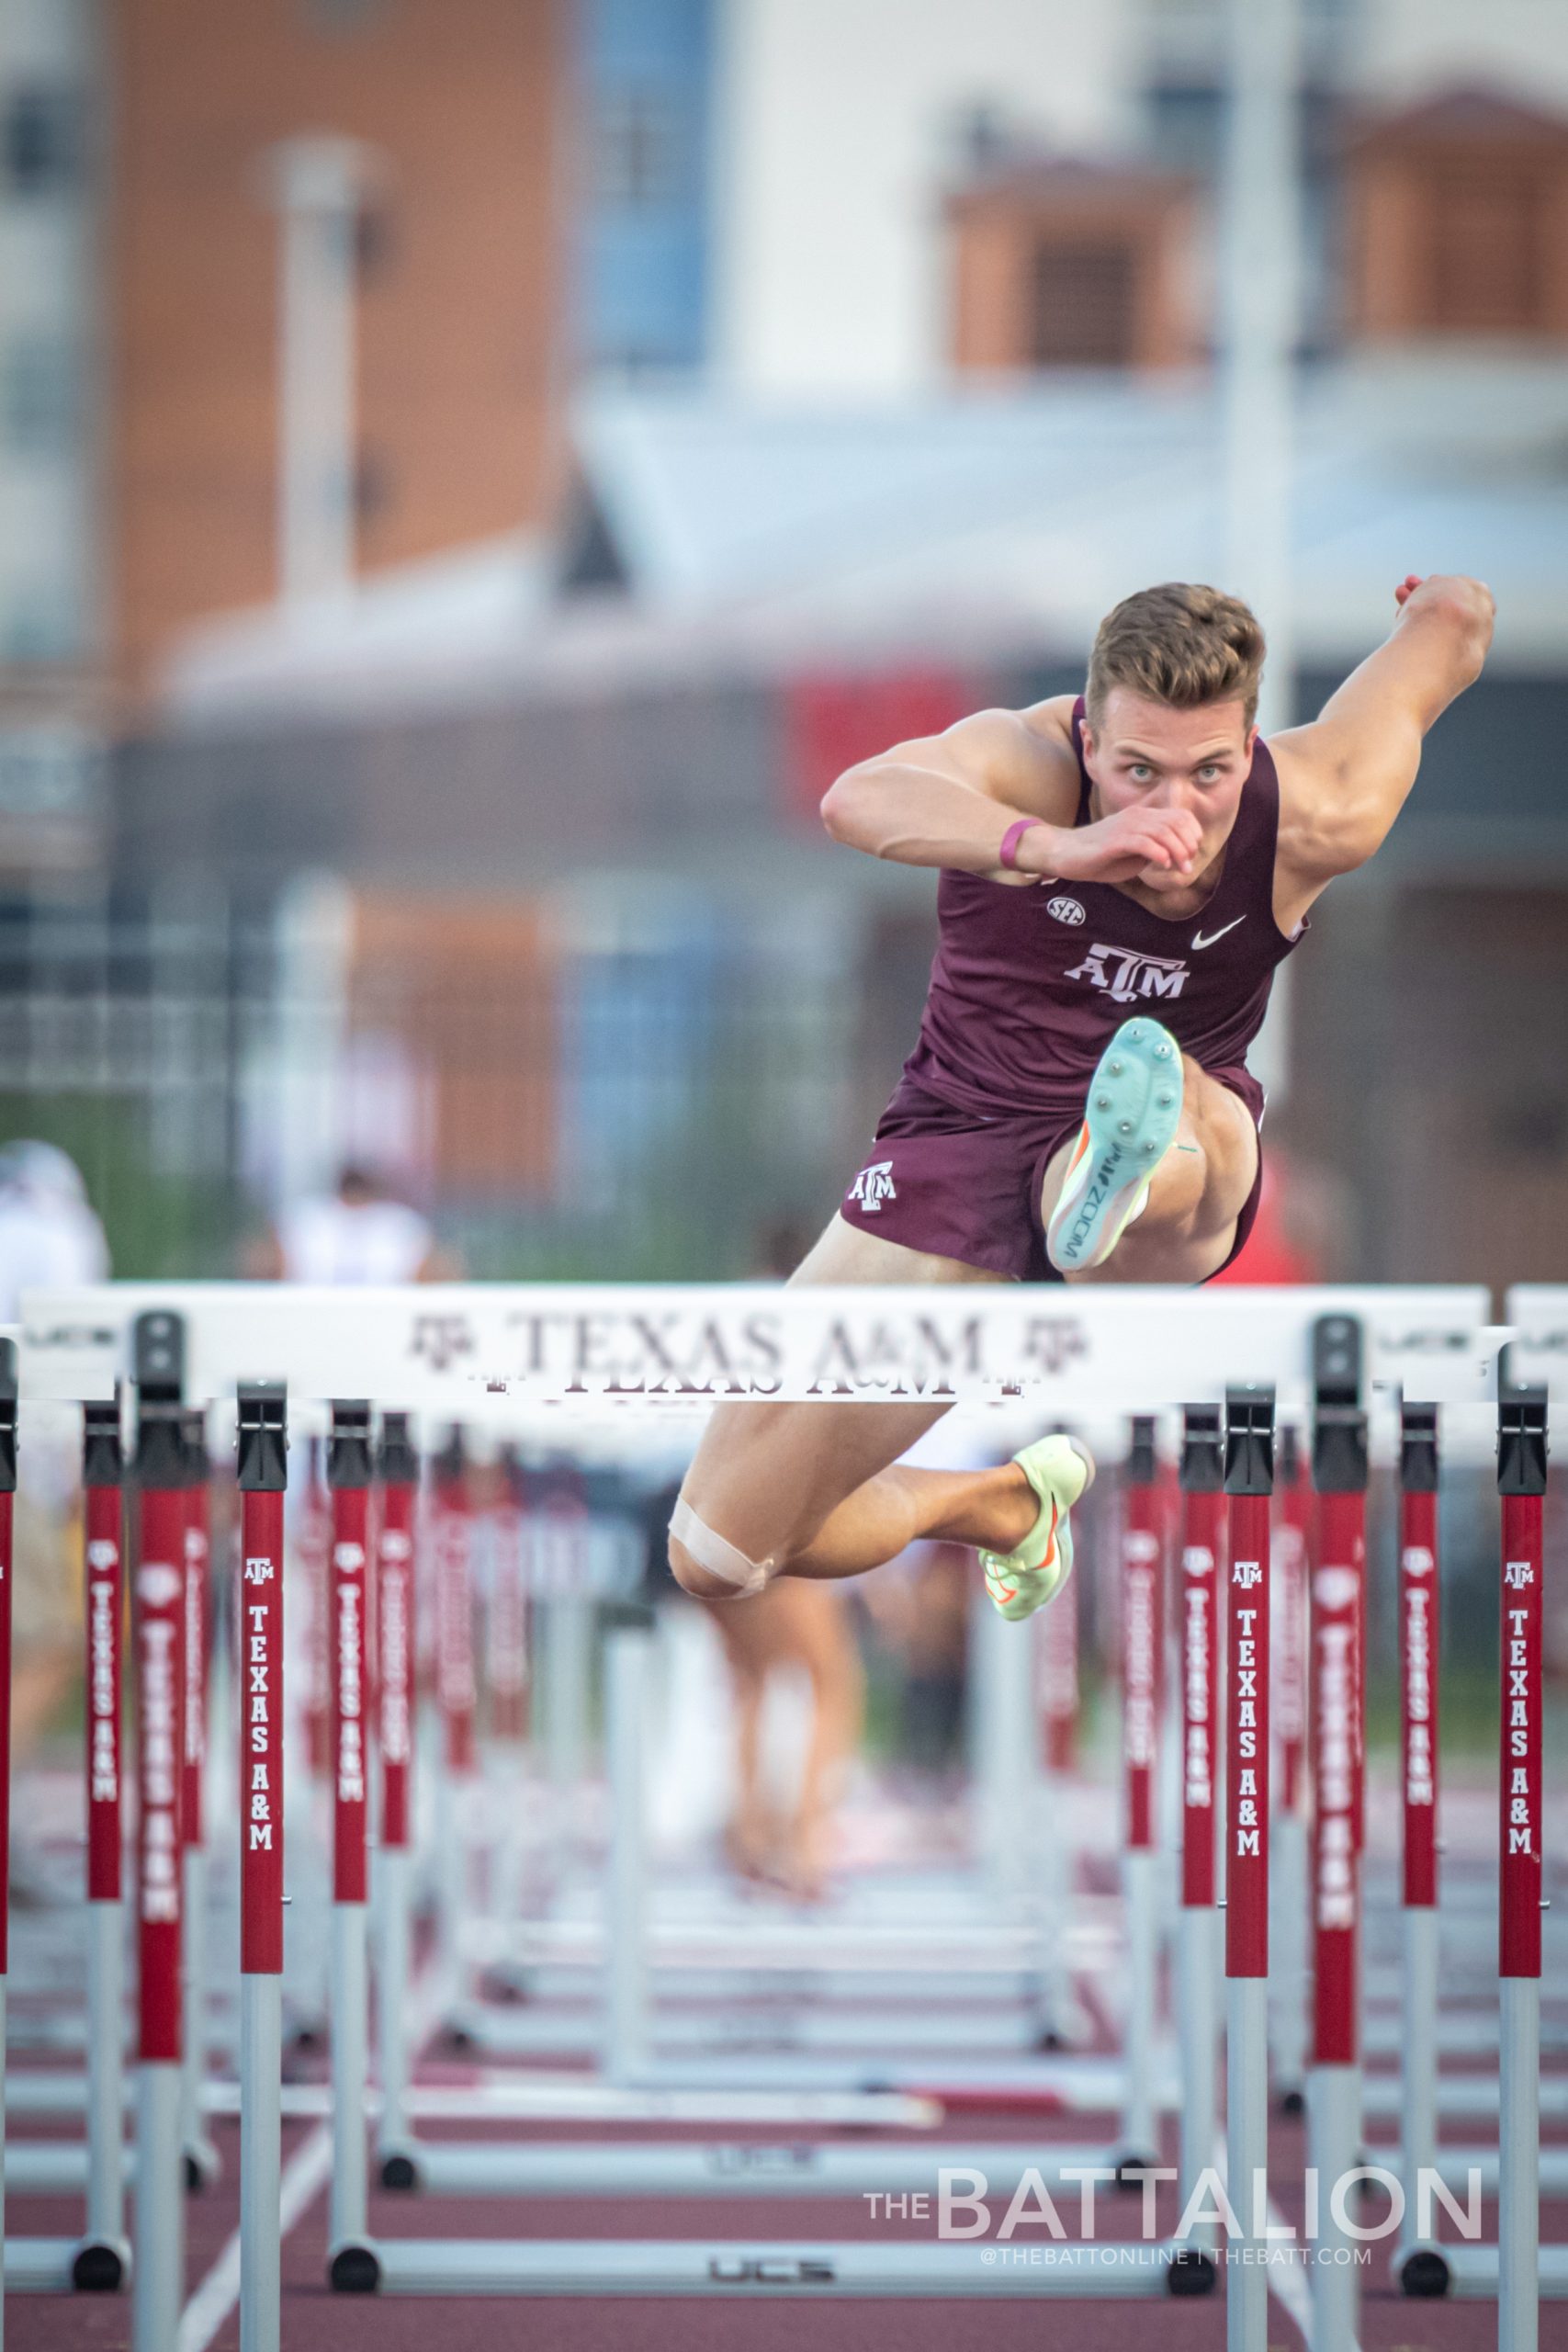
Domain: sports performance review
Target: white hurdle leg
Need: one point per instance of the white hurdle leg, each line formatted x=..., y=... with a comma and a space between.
x=391, y=1996
x=1246, y=2160
x=626, y=1661
x=1138, y=2144
x=1198, y=1964
x=1289, y=1976
x=261, y=2162
x=1056, y=1711
x=157, y=2277
x=200, y=2154
x=349, y=2217
x=1518, y=2181
x=106, y=2076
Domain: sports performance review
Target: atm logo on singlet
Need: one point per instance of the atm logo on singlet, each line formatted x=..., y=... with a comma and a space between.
x=1128, y=978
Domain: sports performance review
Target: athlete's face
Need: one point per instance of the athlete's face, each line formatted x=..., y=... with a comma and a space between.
x=1143, y=754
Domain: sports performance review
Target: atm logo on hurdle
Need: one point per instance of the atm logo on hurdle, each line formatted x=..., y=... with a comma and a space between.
x=1517, y=1574
x=441, y=1340
x=1246, y=1573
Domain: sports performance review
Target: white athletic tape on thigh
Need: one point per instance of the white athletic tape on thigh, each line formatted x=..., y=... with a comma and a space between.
x=712, y=1552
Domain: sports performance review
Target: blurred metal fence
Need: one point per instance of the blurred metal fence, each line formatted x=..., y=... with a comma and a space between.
x=597, y=1100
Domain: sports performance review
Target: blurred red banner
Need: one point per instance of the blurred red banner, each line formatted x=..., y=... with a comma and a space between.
x=831, y=723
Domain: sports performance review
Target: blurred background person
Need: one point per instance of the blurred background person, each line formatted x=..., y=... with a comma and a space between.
x=776, y=1835
x=50, y=1238
x=359, y=1233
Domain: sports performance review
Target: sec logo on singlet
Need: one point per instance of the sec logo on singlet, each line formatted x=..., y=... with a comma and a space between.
x=1064, y=909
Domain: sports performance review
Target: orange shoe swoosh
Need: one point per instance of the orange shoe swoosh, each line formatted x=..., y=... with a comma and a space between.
x=1051, y=1539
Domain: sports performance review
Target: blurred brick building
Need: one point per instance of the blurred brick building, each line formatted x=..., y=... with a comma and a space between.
x=454, y=119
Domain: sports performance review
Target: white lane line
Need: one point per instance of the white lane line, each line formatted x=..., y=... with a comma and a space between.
x=304, y=2176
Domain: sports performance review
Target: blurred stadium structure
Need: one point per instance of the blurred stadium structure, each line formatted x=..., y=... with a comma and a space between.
x=469, y=476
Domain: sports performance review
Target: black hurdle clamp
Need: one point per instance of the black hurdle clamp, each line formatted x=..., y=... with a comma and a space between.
x=158, y=1367
x=1202, y=1450
x=158, y=1355
x=1521, y=1441
x=261, y=1456
x=452, y=1461
x=1340, y=1463
x=1337, y=1360
x=1143, y=1462
x=1250, y=1438
x=1418, y=1449
x=103, y=1454
x=1287, y=1453
x=8, y=1392
x=511, y=1460
x=397, y=1461
x=348, y=1448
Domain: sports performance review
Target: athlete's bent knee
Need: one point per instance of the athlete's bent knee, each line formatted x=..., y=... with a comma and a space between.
x=708, y=1565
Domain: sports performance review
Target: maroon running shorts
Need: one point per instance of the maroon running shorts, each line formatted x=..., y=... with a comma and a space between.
x=958, y=1184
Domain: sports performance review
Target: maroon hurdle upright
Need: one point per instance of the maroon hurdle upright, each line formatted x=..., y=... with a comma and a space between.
x=101, y=2259
x=397, y=1466
x=1289, y=1975
x=1250, y=1484
x=263, y=1475
x=158, y=1637
x=1142, y=1647
x=348, y=1481
x=1521, y=1481
x=1420, y=1651
x=200, y=2154
x=1198, y=1640
x=1336, y=1711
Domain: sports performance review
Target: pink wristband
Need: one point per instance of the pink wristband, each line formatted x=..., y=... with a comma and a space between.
x=1011, y=838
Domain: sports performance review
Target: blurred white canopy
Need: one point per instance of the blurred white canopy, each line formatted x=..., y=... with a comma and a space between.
x=746, y=540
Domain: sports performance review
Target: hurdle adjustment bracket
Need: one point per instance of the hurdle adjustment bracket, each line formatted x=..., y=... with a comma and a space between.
x=1521, y=1441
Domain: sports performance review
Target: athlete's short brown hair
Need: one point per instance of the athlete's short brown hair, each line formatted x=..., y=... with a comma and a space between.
x=1178, y=644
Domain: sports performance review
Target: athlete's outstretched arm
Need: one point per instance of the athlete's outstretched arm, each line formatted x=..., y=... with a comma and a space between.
x=949, y=800
x=1344, y=778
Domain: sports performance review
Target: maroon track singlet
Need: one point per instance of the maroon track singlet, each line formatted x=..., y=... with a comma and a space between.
x=1029, y=986
x=1028, y=989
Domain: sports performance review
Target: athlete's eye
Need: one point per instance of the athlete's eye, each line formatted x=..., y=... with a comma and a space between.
x=1140, y=772
x=1209, y=772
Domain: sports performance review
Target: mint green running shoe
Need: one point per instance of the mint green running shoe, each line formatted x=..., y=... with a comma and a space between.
x=1020, y=1581
x=1130, y=1123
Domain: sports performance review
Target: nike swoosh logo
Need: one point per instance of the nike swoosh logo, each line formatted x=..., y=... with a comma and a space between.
x=1199, y=940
